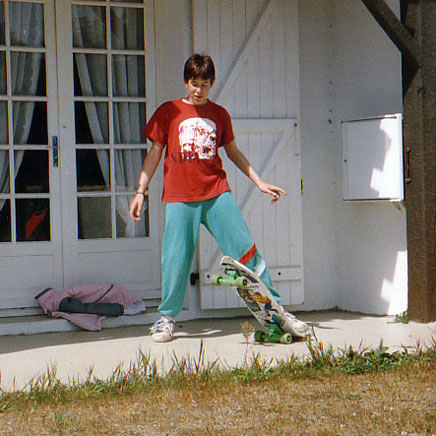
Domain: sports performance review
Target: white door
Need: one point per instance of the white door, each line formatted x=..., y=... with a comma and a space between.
x=106, y=73
x=73, y=98
x=30, y=224
x=255, y=48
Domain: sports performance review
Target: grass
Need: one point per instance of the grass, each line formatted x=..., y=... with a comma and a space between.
x=402, y=317
x=343, y=392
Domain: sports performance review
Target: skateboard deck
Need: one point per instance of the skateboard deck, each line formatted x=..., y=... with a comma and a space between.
x=258, y=299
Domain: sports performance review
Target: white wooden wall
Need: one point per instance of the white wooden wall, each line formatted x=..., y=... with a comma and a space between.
x=255, y=48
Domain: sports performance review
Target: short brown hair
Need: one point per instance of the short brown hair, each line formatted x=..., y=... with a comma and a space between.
x=199, y=65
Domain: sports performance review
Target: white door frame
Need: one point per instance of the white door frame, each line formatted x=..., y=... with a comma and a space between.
x=99, y=259
x=25, y=267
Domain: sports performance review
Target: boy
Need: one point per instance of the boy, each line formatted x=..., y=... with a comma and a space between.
x=196, y=190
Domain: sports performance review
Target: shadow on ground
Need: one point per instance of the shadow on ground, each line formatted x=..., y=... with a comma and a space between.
x=196, y=329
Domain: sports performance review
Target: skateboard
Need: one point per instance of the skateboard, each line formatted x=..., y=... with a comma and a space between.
x=258, y=299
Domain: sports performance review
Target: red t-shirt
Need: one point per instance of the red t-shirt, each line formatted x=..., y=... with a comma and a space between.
x=192, y=134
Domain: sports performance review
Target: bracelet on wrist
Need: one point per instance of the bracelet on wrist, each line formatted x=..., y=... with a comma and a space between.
x=140, y=193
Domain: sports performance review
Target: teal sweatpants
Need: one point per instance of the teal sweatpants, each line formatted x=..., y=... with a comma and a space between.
x=222, y=218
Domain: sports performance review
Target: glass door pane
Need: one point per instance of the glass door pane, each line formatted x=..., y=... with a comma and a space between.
x=24, y=157
x=106, y=72
x=110, y=110
x=30, y=225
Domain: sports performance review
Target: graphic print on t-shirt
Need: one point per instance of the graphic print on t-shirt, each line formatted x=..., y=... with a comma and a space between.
x=197, y=137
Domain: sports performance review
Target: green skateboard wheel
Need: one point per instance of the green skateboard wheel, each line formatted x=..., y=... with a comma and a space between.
x=259, y=336
x=241, y=282
x=238, y=281
x=216, y=279
x=286, y=338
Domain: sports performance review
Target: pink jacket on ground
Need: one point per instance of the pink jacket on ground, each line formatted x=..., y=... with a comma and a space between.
x=91, y=293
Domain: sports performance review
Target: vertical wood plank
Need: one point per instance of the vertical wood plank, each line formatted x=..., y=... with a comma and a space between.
x=239, y=32
x=420, y=139
x=292, y=60
x=213, y=36
x=266, y=68
x=269, y=229
x=283, y=225
x=256, y=156
x=278, y=60
x=199, y=17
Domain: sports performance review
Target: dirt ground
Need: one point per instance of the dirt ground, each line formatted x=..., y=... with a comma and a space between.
x=401, y=402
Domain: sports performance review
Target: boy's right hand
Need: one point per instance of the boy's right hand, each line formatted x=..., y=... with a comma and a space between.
x=136, y=207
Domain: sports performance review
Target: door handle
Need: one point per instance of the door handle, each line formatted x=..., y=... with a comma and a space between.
x=55, y=150
x=408, y=178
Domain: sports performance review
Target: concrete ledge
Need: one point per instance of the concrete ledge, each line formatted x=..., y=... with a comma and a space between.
x=31, y=325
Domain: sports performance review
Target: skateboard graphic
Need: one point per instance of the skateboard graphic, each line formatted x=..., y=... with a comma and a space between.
x=258, y=299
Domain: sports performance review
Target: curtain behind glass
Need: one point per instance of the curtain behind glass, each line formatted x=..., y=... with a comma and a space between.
x=26, y=22
x=127, y=117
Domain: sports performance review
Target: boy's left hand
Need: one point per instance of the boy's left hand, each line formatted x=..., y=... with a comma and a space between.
x=272, y=190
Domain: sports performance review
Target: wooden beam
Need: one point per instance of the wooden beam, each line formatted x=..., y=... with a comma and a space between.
x=396, y=31
x=420, y=144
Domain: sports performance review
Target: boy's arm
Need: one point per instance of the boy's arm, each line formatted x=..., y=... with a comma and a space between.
x=239, y=159
x=149, y=167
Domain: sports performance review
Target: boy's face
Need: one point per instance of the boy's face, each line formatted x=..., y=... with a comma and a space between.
x=198, y=90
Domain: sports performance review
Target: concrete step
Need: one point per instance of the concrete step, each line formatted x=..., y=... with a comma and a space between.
x=36, y=324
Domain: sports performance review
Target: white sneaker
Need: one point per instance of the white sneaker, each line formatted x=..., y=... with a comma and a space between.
x=162, y=330
x=295, y=327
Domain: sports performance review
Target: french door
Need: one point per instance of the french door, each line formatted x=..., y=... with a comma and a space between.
x=76, y=81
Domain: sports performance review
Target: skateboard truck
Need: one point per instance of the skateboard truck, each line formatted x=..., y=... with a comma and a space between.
x=232, y=278
x=258, y=299
x=274, y=334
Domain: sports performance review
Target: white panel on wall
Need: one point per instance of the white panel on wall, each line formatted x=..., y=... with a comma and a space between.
x=373, y=158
